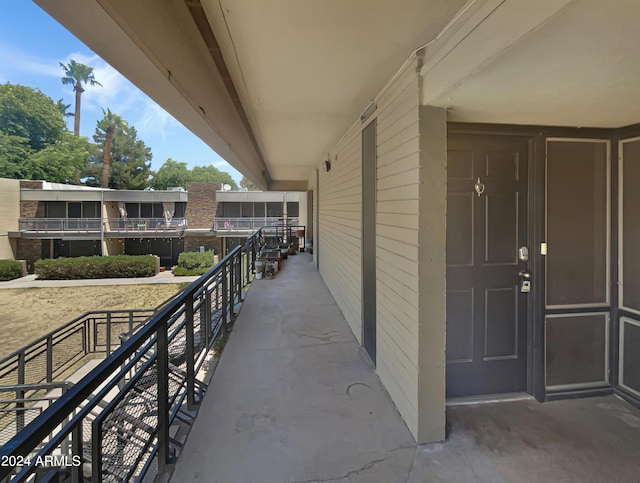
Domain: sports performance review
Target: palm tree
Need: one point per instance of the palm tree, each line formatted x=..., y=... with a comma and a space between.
x=75, y=74
x=64, y=108
x=112, y=124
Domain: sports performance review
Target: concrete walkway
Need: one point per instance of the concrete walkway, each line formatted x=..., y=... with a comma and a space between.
x=293, y=401
x=30, y=281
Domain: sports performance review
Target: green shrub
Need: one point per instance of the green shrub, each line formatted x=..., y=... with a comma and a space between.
x=10, y=269
x=185, y=272
x=194, y=263
x=117, y=266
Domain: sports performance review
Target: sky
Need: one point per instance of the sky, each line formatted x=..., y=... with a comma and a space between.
x=32, y=45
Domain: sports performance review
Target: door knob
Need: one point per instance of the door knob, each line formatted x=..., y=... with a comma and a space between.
x=525, y=274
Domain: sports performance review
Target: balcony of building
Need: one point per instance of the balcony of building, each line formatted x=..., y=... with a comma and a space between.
x=235, y=226
x=110, y=227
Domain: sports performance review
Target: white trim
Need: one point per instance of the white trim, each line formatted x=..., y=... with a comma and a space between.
x=621, y=224
x=621, y=383
x=607, y=301
x=580, y=385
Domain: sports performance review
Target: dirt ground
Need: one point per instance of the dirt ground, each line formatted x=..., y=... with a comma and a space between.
x=26, y=314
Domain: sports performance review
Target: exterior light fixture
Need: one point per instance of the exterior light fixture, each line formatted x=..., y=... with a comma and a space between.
x=326, y=166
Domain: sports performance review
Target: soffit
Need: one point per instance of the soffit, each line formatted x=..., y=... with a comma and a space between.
x=305, y=70
x=578, y=68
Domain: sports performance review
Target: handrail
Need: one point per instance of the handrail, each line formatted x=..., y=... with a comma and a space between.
x=228, y=272
x=117, y=225
x=225, y=223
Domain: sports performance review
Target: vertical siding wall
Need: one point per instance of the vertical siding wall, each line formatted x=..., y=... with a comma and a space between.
x=397, y=242
x=340, y=226
x=9, y=214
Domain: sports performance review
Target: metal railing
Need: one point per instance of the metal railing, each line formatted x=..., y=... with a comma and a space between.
x=117, y=419
x=93, y=225
x=50, y=357
x=248, y=224
x=122, y=225
x=45, y=225
x=22, y=403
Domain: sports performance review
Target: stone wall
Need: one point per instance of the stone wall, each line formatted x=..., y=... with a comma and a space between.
x=202, y=204
x=28, y=184
x=31, y=209
x=193, y=243
x=29, y=250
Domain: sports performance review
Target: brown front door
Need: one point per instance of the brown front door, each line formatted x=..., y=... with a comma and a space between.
x=486, y=226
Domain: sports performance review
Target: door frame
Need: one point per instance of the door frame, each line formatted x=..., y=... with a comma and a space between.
x=535, y=372
x=537, y=234
x=368, y=248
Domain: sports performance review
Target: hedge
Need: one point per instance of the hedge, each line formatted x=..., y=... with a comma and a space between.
x=194, y=263
x=10, y=269
x=117, y=266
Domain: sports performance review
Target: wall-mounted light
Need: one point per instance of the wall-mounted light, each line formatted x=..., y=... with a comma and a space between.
x=326, y=166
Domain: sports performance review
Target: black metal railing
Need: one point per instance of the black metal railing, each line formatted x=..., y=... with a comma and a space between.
x=22, y=403
x=50, y=357
x=119, y=421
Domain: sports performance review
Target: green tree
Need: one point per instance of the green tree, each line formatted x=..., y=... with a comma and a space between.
x=248, y=184
x=59, y=162
x=76, y=74
x=28, y=113
x=171, y=173
x=14, y=150
x=123, y=161
x=211, y=174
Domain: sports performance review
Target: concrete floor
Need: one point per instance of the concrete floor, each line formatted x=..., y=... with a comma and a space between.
x=292, y=400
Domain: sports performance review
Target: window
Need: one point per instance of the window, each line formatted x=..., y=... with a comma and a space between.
x=274, y=209
x=90, y=209
x=146, y=210
x=180, y=210
x=293, y=208
x=55, y=209
x=133, y=210
x=259, y=209
x=231, y=210
x=247, y=210
x=75, y=209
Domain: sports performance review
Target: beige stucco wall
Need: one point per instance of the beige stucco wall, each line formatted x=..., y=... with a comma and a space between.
x=9, y=214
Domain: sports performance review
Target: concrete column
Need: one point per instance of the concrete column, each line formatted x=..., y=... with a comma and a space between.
x=432, y=274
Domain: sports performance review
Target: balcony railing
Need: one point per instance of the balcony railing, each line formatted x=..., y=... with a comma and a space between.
x=121, y=225
x=250, y=224
x=118, y=422
x=46, y=225
x=93, y=225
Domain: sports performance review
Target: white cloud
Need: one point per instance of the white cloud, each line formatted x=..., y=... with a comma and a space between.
x=155, y=121
x=24, y=62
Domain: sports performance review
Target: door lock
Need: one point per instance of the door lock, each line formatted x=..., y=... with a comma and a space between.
x=523, y=254
x=525, y=281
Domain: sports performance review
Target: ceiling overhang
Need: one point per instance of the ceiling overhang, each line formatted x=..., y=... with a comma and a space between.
x=159, y=48
x=272, y=86
x=549, y=62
